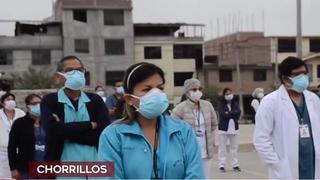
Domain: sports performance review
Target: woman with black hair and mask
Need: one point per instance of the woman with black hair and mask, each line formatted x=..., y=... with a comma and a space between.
x=229, y=114
x=146, y=144
x=8, y=114
x=29, y=137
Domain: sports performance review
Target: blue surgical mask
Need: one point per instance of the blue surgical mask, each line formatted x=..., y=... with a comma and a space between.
x=153, y=103
x=35, y=110
x=229, y=97
x=300, y=83
x=75, y=79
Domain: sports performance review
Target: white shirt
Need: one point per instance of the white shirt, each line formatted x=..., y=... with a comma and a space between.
x=255, y=104
x=201, y=132
x=5, y=125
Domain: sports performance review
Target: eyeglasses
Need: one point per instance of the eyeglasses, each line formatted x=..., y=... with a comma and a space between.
x=81, y=69
x=195, y=89
x=299, y=73
x=34, y=103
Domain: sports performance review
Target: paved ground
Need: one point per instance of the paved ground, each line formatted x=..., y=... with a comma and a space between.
x=251, y=165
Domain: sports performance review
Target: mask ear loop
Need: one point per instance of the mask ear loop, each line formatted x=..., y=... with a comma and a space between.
x=136, y=108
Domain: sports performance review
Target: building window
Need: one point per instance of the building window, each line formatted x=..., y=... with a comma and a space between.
x=211, y=59
x=225, y=75
x=114, y=46
x=81, y=45
x=113, y=17
x=80, y=15
x=286, y=45
x=87, y=76
x=259, y=75
x=180, y=77
x=152, y=52
x=314, y=45
x=41, y=57
x=6, y=57
x=189, y=51
x=113, y=76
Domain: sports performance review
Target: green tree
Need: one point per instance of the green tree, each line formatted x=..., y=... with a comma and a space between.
x=211, y=93
x=33, y=79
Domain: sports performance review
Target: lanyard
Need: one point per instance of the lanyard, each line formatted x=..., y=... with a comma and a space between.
x=155, y=158
x=197, y=116
x=300, y=114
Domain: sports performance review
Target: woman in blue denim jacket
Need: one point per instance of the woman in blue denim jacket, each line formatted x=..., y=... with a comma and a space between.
x=146, y=143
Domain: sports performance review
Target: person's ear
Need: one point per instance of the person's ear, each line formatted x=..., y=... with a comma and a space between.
x=128, y=99
x=131, y=100
x=59, y=79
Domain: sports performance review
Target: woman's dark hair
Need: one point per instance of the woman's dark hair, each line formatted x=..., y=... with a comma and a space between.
x=134, y=75
x=138, y=73
x=289, y=64
x=3, y=97
x=29, y=98
x=97, y=87
x=225, y=91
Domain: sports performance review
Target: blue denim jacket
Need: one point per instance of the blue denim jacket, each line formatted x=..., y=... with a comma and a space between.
x=178, y=152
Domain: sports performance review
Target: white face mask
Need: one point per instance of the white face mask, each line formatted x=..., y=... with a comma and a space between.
x=10, y=105
x=119, y=90
x=260, y=95
x=100, y=93
x=195, y=95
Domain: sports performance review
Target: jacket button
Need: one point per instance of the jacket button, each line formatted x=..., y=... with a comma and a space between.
x=145, y=150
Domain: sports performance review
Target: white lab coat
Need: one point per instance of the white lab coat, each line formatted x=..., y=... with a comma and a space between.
x=5, y=127
x=276, y=134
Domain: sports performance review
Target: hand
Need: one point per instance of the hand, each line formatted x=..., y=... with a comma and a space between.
x=94, y=125
x=56, y=117
x=15, y=174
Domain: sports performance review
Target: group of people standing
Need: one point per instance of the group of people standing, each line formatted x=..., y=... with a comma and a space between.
x=151, y=141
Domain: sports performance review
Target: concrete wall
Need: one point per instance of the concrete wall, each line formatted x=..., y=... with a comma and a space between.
x=314, y=63
x=281, y=56
x=248, y=84
x=96, y=61
x=167, y=63
x=253, y=48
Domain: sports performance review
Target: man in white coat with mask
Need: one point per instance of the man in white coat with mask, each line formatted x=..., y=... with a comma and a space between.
x=287, y=131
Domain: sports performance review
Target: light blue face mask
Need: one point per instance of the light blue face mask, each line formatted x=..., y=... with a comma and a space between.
x=229, y=97
x=300, y=83
x=153, y=103
x=75, y=80
x=35, y=110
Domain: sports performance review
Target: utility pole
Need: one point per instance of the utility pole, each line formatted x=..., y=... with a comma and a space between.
x=239, y=83
x=299, y=31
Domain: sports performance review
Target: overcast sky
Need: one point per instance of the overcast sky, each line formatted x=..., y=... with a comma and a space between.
x=279, y=16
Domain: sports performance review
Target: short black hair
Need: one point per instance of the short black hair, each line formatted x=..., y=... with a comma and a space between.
x=225, y=91
x=288, y=64
x=97, y=87
x=60, y=64
x=3, y=97
x=138, y=73
x=29, y=98
x=116, y=81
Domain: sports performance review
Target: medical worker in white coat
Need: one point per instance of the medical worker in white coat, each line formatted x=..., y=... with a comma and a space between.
x=287, y=131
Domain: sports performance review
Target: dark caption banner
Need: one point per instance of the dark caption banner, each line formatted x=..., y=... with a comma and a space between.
x=71, y=169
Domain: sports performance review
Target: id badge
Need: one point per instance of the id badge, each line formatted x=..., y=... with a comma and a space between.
x=199, y=133
x=304, y=131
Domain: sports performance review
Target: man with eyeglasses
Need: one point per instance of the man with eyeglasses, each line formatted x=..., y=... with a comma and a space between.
x=287, y=131
x=72, y=118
